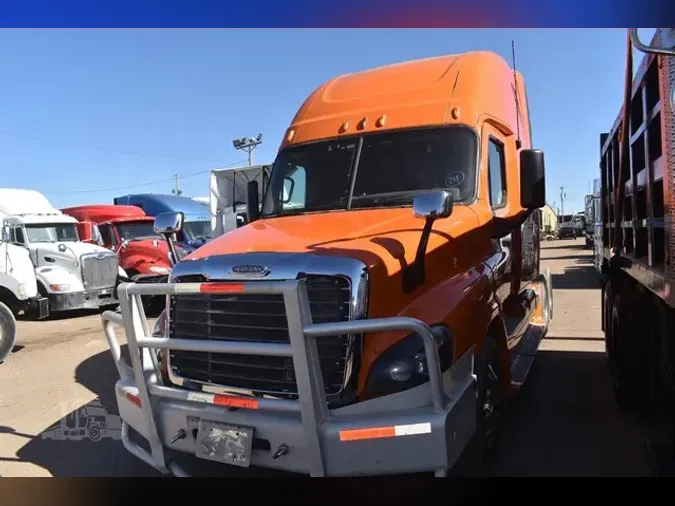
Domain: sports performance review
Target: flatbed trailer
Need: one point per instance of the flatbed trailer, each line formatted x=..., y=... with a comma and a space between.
x=637, y=181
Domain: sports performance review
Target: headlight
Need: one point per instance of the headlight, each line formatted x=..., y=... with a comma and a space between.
x=61, y=288
x=404, y=365
x=22, y=290
x=158, y=269
x=160, y=328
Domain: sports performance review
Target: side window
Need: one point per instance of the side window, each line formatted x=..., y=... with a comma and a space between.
x=17, y=235
x=294, y=189
x=496, y=173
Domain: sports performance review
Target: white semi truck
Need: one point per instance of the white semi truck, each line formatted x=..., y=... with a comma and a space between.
x=228, y=195
x=18, y=290
x=70, y=273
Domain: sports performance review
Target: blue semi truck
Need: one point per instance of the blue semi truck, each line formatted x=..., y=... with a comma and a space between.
x=197, y=225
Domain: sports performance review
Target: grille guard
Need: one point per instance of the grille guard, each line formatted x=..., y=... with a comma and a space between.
x=311, y=404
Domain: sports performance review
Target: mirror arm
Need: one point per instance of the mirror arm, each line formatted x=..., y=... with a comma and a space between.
x=414, y=275
x=172, y=249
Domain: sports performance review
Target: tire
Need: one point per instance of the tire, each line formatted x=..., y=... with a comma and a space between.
x=7, y=331
x=631, y=359
x=482, y=450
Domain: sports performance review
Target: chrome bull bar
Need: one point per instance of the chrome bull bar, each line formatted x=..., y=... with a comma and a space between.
x=311, y=402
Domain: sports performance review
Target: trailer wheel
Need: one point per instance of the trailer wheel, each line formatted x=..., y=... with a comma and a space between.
x=631, y=359
x=7, y=331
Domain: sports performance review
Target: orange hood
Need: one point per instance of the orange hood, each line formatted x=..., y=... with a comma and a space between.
x=388, y=237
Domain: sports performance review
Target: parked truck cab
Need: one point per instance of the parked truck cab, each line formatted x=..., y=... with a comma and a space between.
x=377, y=310
x=129, y=232
x=18, y=290
x=197, y=225
x=70, y=273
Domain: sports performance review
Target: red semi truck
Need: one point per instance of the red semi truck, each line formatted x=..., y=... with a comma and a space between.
x=127, y=230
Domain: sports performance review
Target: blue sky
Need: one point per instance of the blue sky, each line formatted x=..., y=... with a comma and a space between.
x=102, y=109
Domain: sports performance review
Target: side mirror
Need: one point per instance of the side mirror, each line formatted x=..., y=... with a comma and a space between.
x=4, y=233
x=434, y=205
x=430, y=206
x=532, y=180
x=169, y=223
x=252, y=201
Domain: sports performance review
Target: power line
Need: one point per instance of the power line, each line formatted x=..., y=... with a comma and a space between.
x=160, y=181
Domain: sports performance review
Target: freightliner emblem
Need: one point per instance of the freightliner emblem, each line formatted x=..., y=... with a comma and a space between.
x=253, y=271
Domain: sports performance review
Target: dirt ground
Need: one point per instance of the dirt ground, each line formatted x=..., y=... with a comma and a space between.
x=565, y=423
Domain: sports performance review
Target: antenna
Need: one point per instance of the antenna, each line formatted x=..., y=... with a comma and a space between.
x=515, y=90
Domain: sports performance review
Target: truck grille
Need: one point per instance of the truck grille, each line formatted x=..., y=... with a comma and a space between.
x=99, y=271
x=258, y=318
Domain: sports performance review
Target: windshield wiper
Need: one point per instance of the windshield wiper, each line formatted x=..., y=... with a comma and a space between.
x=389, y=197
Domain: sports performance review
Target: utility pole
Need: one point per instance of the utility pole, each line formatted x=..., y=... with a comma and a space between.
x=562, y=204
x=177, y=190
x=248, y=144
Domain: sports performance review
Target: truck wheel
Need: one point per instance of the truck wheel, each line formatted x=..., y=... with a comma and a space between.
x=7, y=331
x=490, y=398
x=630, y=359
x=481, y=451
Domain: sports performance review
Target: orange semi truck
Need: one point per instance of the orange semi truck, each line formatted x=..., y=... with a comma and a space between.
x=379, y=307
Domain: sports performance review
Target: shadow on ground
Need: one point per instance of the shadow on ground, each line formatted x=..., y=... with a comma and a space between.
x=78, y=455
x=570, y=427
x=576, y=278
x=566, y=245
x=62, y=315
x=66, y=448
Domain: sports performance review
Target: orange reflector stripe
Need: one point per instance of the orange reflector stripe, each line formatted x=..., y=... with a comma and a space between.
x=224, y=400
x=134, y=398
x=235, y=402
x=360, y=434
x=221, y=288
x=385, y=432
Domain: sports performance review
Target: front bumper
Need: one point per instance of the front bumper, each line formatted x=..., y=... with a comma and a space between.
x=422, y=429
x=86, y=299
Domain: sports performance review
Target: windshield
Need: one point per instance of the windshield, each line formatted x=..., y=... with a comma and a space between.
x=391, y=168
x=59, y=232
x=197, y=230
x=136, y=230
